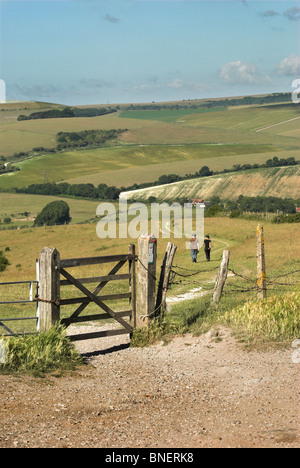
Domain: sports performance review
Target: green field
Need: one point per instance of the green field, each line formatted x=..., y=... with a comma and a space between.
x=166, y=115
x=239, y=236
x=15, y=205
x=98, y=161
x=157, y=142
x=247, y=119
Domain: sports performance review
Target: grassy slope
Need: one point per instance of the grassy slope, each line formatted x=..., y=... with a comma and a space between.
x=81, y=241
x=236, y=126
x=282, y=182
x=91, y=162
x=14, y=205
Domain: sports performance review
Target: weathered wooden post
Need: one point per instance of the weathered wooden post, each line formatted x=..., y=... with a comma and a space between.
x=261, y=265
x=132, y=284
x=146, y=279
x=49, y=289
x=164, y=279
x=221, y=278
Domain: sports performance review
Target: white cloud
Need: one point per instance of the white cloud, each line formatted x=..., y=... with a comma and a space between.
x=187, y=85
x=175, y=83
x=95, y=83
x=293, y=14
x=242, y=73
x=290, y=66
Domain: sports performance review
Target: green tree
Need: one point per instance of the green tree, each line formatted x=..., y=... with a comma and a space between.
x=57, y=212
x=3, y=261
x=205, y=171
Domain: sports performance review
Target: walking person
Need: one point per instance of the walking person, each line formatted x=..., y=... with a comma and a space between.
x=194, y=246
x=207, y=247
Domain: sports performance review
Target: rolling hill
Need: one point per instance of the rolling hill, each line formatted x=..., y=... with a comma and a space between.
x=176, y=139
x=282, y=182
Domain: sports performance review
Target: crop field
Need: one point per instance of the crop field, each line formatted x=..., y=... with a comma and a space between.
x=277, y=182
x=166, y=115
x=98, y=161
x=246, y=119
x=156, y=143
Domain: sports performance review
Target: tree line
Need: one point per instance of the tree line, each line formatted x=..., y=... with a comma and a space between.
x=105, y=192
x=67, y=112
x=194, y=104
x=64, y=140
x=101, y=192
x=283, y=208
x=86, y=138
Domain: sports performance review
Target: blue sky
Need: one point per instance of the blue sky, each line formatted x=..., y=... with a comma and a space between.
x=118, y=51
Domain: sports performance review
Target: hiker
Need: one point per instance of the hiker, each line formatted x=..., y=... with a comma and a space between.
x=194, y=246
x=207, y=247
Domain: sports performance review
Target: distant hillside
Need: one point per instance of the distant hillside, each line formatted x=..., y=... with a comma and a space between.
x=283, y=182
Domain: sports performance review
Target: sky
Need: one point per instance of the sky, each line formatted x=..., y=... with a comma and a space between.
x=77, y=52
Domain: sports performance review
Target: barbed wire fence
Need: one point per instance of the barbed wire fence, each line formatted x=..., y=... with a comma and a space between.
x=185, y=276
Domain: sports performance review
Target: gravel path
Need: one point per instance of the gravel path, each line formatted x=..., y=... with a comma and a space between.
x=195, y=392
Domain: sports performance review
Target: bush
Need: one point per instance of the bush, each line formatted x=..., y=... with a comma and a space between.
x=235, y=214
x=213, y=211
x=40, y=353
x=55, y=213
x=3, y=261
x=287, y=219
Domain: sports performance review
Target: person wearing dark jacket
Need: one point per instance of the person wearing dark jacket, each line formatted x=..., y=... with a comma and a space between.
x=207, y=247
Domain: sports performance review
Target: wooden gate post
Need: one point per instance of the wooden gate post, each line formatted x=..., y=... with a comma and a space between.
x=164, y=279
x=132, y=284
x=221, y=278
x=49, y=289
x=146, y=279
x=261, y=265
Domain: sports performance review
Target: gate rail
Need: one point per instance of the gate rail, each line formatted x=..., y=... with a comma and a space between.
x=32, y=299
x=53, y=271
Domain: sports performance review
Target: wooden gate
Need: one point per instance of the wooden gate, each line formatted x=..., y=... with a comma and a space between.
x=54, y=302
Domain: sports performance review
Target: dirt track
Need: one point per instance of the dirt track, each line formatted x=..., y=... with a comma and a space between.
x=195, y=392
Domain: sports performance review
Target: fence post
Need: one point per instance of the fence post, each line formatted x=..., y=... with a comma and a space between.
x=49, y=289
x=261, y=265
x=146, y=279
x=132, y=284
x=164, y=278
x=221, y=278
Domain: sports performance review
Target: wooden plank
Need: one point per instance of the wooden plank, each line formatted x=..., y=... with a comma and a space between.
x=74, y=262
x=96, y=300
x=11, y=333
x=100, y=334
x=100, y=286
x=96, y=279
x=86, y=300
x=91, y=318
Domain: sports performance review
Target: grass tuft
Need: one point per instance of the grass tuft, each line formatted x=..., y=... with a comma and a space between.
x=40, y=353
x=275, y=319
